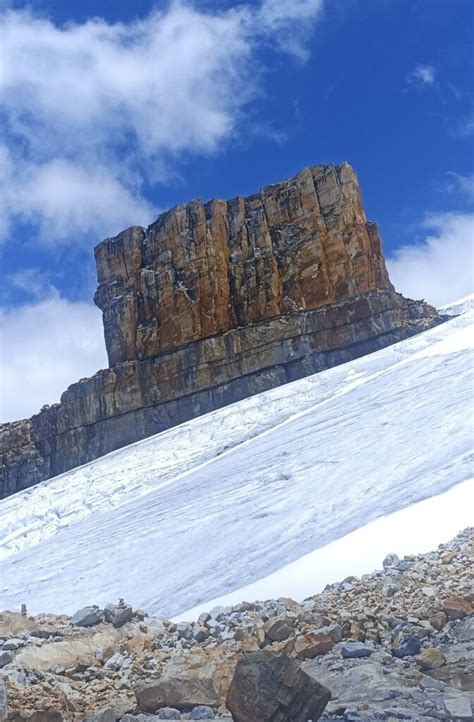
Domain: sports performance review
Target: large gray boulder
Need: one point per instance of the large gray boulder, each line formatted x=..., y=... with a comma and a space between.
x=87, y=617
x=271, y=688
x=5, y=658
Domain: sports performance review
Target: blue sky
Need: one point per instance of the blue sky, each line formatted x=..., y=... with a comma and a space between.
x=111, y=111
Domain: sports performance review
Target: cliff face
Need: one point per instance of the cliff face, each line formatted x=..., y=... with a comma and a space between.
x=204, y=269
x=216, y=302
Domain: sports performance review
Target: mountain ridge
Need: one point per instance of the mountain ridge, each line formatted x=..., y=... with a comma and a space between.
x=205, y=308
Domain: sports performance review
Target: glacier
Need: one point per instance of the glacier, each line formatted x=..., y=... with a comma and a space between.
x=207, y=509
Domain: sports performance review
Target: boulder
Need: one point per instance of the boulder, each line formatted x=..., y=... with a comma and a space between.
x=121, y=616
x=406, y=647
x=202, y=712
x=331, y=630
x=57, y=669
x=431, y=658
x=278, y=629
x=355, y=650
x=457, y=607
x=114, y=662
x=391, y=586
x=14, y=644
x=391, y=561
x=464, y=630
x=459, y=708
x=87, y=617
x=270, y=688
x=182, y=693
x=308, y=646
x=185, y=630
x=357, y=683
x=5, y=658
x=109, y=611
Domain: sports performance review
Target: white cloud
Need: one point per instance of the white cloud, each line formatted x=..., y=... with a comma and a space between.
x=440, y=269
x=464, y=128
x=33, y=283
x=90, y=110
x=63, y=199
x=463, y=185
x=290, y=22
x=44, y=347
x=423, y=75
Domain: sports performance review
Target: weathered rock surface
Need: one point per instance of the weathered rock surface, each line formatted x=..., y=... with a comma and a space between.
x=204, y=269
x=213, y=303
x=271, y=688
x=87, y=617
x=149, y=666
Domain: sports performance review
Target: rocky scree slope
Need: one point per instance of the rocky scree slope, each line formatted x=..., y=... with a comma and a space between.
x=397, y=644
x=213, y=303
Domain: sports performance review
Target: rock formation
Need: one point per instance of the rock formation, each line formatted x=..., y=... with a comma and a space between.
x=271, y=688
x=402, y=656
x=215, y=302
x=204, y=269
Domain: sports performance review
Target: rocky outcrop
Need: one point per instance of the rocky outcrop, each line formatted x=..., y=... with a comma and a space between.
x=136, y=399
x=213, y=303
x=204, y=269
x=226, y=661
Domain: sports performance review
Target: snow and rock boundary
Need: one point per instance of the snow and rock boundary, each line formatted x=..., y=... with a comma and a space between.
x=221, y=502
x=394, y=644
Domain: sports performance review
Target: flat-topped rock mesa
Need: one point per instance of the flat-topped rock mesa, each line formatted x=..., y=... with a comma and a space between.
x=213, y=303
x=204, y=269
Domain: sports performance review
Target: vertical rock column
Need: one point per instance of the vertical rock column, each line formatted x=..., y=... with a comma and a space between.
x=203, y=269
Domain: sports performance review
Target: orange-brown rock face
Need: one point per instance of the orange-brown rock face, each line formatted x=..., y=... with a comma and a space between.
x=213, y=303
x=203, y=269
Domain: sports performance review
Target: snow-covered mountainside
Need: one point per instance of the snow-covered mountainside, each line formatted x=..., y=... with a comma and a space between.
x=226, y=499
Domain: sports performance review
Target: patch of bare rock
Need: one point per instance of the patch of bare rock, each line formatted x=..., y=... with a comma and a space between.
x=397, y=644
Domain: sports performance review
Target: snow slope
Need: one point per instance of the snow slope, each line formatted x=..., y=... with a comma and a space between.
x=418, y=527
x=226, y=499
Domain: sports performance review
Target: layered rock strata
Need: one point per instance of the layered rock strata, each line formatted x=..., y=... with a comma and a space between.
x=204, y=269
x=213, y=303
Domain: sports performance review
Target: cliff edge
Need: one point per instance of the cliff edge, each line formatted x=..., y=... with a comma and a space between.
x=215, y=302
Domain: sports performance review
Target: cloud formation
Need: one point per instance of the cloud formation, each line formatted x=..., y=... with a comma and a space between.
x=32, y=282
x=44, y=347
x=63, y=200
x=464, y=128
x=91, y=110
x=422, y=75
x=462, y=185
x=440, y=268
x=90, y=113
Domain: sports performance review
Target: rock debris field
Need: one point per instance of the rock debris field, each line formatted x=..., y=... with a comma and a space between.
x=397, y=644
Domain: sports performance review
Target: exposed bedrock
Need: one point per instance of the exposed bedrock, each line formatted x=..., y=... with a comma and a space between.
x=213, y=303
x=203, y=269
